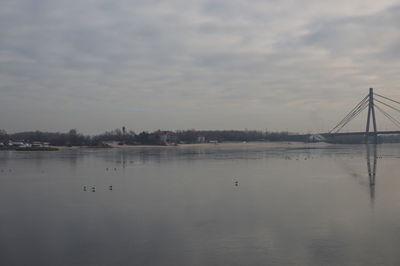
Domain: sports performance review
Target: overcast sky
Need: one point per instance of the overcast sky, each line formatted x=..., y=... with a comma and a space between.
x=96, y=65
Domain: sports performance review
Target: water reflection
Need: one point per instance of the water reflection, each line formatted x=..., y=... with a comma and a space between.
x=185, y=206
x=371, y=157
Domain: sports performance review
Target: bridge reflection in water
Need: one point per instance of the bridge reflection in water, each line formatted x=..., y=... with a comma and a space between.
x=371, y=156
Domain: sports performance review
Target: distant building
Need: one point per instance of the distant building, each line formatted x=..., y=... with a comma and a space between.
x=16, y=144
x=36, y=144
x=164, y=137
x=201, y=139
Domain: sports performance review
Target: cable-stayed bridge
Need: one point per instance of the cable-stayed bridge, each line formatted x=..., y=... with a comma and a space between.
x=372, y=102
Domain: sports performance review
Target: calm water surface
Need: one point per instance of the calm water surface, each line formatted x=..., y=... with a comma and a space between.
x=333, y=205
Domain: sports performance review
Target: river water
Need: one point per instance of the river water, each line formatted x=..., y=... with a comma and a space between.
x=202, y=205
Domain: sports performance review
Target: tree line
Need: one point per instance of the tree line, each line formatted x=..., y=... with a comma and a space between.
x=74, y=138
x=192, y=136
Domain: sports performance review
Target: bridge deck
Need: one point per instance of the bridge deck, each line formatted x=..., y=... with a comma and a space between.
x=360, y=133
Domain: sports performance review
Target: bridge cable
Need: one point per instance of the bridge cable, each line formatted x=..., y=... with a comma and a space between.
x=349, y=117
x=394, y=108
x=351, y=113
x=352, y=117
x=392, y=119
x=365, y=105
x=387, y=114
x=386, y=98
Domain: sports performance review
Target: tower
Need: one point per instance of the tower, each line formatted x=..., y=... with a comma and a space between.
x=371, y=114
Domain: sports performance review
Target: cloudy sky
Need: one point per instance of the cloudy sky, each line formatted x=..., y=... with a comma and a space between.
x=96, y=65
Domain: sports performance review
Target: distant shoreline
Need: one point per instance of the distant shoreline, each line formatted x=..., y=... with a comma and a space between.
x=232, y=144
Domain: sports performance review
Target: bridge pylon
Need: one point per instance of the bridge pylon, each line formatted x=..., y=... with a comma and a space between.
x=371, y=115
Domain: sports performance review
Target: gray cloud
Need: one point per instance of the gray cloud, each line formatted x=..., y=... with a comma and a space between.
x=96, y=65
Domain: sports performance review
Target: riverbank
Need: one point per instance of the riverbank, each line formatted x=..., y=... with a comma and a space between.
x=222, y=145
x=245, y=145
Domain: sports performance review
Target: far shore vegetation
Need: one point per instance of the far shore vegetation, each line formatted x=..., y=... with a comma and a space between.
x=160, y=137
